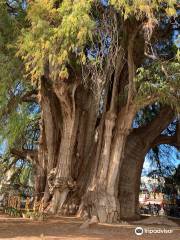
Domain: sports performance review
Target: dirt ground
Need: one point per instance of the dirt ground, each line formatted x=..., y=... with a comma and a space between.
x=69, y=228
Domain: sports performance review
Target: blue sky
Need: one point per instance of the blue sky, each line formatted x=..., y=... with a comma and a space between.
x=172, y=158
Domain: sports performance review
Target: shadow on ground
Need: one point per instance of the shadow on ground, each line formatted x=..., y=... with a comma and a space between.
x=69, y=228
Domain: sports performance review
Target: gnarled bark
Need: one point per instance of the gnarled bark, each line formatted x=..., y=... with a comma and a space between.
x=63, y=179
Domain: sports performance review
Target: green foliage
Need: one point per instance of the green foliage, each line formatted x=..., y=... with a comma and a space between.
x=26, y=174
x=10, y=67
x=56, y=34
x=15, y=125
x=13, y=212
x=146, y=115
x=144, y=8
x=172, y=182
x=15, y=176
x=14, y=116
x=159, y=81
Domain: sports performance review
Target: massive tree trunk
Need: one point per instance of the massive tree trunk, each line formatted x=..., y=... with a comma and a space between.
x=138, y=144
x=97, y=196
x=84, y=147
x=49, y=111
x=101, y=197
x=63, y=176
x=130, y=172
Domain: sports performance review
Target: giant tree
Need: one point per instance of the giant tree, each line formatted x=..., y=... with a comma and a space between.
x=94, y=66
x=121, y=81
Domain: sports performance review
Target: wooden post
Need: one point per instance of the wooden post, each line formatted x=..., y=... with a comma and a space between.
x=14, y=201
x=35, y=206
x=41, y=206
x=27, y=203
x=18, y=203
x=9, y=201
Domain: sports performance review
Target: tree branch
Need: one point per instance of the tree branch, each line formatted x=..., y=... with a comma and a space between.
x=30, y=96
x=159, y=123
x=29, y=155
x=131, y=65
x=152, y=130
x=163, y=139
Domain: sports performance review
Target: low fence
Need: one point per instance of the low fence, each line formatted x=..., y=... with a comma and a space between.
x=24, y=207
